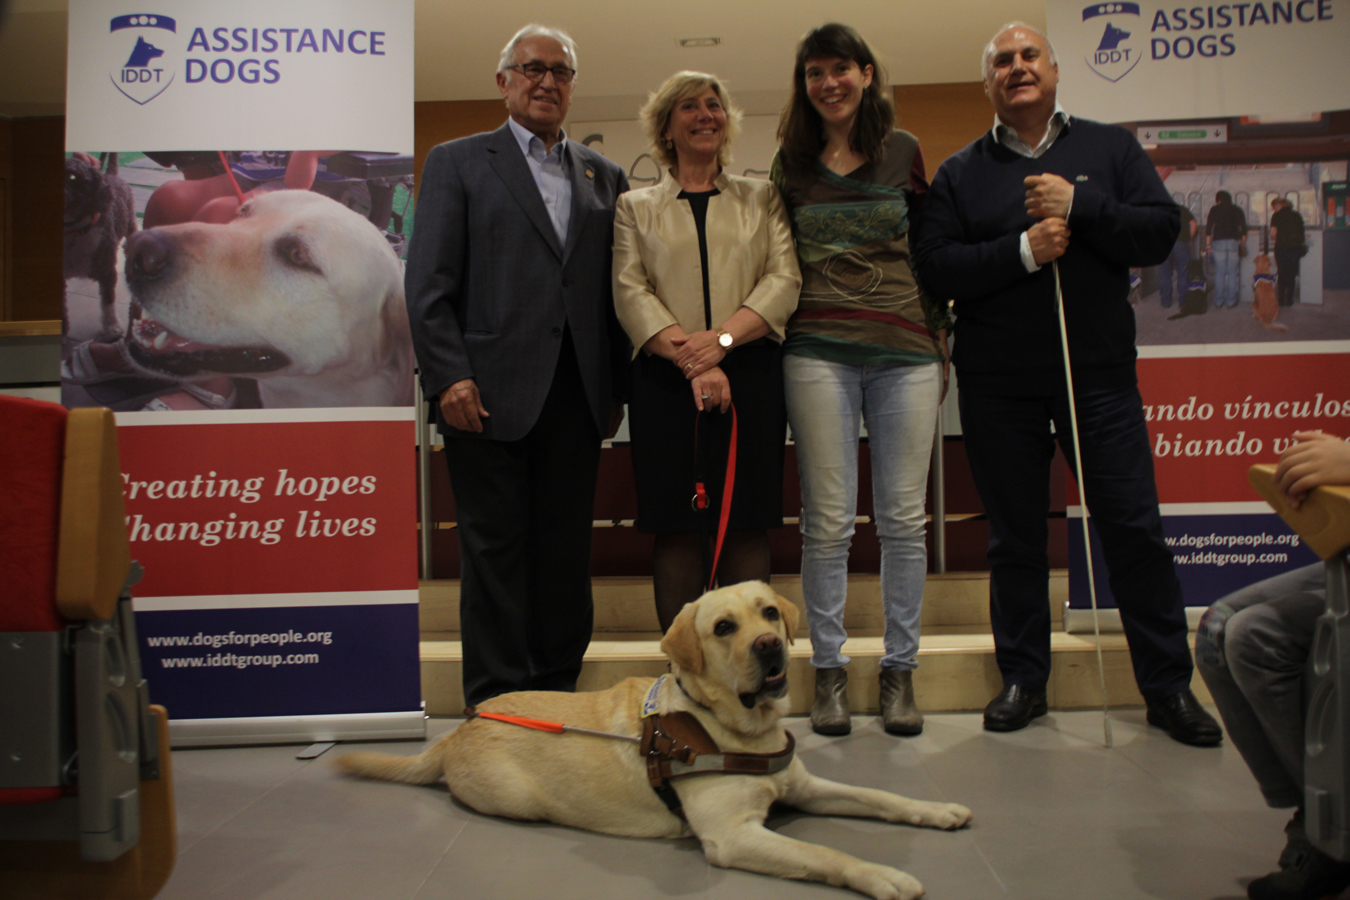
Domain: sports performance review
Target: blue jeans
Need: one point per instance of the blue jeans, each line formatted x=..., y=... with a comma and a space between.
x=826, y=401
x=1173, y=271
x=1226, y=262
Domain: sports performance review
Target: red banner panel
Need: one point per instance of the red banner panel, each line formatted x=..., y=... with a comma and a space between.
x=271, y=507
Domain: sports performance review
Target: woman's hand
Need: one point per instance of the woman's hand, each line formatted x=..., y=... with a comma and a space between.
x=712, y=390
x=699, y=352
x=1316, y=459
x=666, y=342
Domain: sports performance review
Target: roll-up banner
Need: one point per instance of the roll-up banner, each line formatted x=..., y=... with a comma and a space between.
x=1244, y=334
x=238, y=200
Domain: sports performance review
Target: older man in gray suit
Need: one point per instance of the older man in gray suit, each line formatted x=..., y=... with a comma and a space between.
x=508, y=287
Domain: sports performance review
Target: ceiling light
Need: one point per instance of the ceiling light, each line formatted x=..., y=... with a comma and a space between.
x=700, y=42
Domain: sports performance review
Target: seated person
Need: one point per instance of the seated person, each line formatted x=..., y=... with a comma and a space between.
x=1252, y=648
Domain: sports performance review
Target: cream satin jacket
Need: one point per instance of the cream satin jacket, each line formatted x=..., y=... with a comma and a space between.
x=658, y=276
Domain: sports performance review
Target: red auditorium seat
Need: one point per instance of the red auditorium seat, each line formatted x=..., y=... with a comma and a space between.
x=70, y=680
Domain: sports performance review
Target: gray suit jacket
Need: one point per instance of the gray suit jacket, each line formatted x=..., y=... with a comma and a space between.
x=490, y=287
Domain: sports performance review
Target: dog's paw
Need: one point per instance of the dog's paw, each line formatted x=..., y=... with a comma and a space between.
x=946, y=816
x=884, y=883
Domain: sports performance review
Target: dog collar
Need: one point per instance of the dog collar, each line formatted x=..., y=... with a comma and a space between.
x=684, y=691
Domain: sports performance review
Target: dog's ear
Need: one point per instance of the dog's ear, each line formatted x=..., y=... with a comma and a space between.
x=681, y=642
x=791, y=615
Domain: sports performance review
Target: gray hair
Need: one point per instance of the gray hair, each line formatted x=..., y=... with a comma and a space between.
x=535, y=30
x=987, y=56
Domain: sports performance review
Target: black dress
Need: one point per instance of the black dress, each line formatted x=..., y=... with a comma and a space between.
x=674, y=445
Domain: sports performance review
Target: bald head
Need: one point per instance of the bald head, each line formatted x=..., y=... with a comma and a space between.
x=987, y=57
x=1021, y=76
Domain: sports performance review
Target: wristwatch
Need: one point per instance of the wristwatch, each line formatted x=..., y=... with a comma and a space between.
x=724, y=339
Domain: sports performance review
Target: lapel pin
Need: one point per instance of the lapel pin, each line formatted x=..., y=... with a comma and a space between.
x=590, y=173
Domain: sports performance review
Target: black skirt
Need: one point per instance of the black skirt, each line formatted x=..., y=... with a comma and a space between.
x=661, y=422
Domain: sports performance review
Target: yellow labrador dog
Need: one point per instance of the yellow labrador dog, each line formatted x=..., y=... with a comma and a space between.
x=299, y=292
x=728, y=654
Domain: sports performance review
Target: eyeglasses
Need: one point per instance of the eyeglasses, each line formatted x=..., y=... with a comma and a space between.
x=536, y=71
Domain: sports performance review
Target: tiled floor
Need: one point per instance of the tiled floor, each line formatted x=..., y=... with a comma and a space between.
x=1056, y=816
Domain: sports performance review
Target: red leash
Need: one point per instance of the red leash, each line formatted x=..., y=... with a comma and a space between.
x=728, y=487
x=551, y=727
x=230, y=174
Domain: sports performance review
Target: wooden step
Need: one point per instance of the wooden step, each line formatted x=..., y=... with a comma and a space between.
x=625, y=605
x=956, y=672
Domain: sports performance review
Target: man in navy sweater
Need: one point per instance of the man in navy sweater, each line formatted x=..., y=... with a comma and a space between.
x=1042, y=188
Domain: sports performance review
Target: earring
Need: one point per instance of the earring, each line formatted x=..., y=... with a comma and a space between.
x=670, y=145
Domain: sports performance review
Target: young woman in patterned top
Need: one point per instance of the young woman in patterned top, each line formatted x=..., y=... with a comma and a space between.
x=865, y=345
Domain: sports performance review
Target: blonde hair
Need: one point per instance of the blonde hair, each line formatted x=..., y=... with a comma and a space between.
x=655, y=113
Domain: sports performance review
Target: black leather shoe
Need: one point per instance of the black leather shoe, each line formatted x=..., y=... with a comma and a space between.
x=1014, y=708
x=1185, y=720
x=1312, y=875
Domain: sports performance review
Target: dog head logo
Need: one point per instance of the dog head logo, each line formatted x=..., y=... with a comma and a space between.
x=141, y=69
x=1115, y=56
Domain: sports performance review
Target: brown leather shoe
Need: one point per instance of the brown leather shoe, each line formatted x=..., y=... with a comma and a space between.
x=829, y=711
x=899, y=715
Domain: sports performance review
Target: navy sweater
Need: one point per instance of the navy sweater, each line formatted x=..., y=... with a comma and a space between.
x=1007, y=332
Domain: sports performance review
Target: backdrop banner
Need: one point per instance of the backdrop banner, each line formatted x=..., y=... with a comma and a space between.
x=1244, y=333
x=1126, y=61
x=234, y=292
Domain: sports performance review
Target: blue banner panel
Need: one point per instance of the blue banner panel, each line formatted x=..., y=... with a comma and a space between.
x=282, y=661
x=1215, y=555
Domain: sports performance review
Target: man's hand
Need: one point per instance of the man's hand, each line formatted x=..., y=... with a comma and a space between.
x=1048, y=196
x=698, y=353
x=1317, y=458
x=1049, y=238
x=712, y=390
x=461, y=407
x=615, y=417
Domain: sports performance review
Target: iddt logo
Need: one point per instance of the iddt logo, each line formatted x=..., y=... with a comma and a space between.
x=1115, y=55
x=142, y=62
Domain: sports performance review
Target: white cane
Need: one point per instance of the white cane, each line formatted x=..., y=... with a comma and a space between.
x=1082, y=498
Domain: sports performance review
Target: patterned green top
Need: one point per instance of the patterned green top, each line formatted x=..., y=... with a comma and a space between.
x=860, y=302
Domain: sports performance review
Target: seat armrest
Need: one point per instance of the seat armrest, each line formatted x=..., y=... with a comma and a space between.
x=94, y=555
x=1322, y=519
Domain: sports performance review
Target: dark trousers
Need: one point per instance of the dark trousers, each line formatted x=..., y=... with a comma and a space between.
x=1010, y=446
x=525, y=511
x=1286, y=263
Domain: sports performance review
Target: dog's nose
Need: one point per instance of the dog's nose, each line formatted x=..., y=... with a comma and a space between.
x=766, y=644
x=148, y=254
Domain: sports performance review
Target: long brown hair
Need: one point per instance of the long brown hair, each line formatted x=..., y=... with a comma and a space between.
x=801, y=133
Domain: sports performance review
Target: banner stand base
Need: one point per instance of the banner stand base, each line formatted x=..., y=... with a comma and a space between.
x=391, y=726
x=1079, y=621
